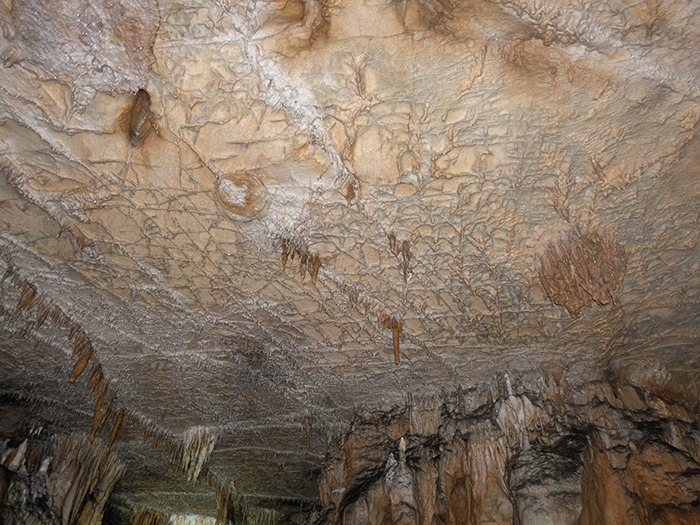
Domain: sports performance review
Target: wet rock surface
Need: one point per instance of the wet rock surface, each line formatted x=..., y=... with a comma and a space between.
x=257, y=248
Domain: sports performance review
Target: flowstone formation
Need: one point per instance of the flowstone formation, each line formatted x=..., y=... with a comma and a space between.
x=556, y=451
x=349, y=261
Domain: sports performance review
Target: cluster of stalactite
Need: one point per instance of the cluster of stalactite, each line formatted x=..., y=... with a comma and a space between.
x=404, y=249
x=367, y=305
x=106, y=408
x=187, y=455
x=308, y=262
x=65, y=480
x=68, y=479
x=312, y=263
x=612, y=457
x=230, y=509
x=584, y=268
x=199, y=444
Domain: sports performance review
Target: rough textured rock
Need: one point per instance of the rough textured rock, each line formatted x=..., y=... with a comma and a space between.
x=66, y=482
x=532, y=458
x=254, y=245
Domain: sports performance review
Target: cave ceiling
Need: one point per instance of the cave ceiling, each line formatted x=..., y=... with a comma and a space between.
x=265, y=217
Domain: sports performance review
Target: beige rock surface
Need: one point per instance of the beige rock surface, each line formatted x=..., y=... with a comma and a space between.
x=237, y=216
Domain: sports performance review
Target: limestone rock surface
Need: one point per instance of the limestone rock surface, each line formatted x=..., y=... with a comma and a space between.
x=358, y=261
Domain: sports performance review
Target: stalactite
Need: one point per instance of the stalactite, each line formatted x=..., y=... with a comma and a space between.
x=81, y=477
x=308, y=262
x=41, y=316
x=390, y=322
x=584, y=268
x=315, y=266
x=56, y=316
x=79, y=342
x=199, y=443
x=303, y=261
x=350, y=191
x=222, y=499
x=406, y=264
x=115, y=430
x=81, y=363
x=94, y=378
x=26, y=298
x=403, y=249
x=285, y=253
x=8, y=272
x=103, y=406
x=396, y=331
x=393, y=243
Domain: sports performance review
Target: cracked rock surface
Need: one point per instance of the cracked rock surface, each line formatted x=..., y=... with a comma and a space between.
x=358, y=261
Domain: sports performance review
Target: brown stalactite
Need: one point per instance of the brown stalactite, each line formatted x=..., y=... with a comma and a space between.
x=41, y=316
x=350, y=192
x=56, y=316
x=393, y=243
x=81, y=363
x=68, y=483
x=285, y=253
x=26, y=298
x=79, y=343
x=73, y=332
x=222, y=500
x=115, y=430
x=316, y=265
x=396, y=332
x=582, y=269
x=94, y=378
x=406, y=253
x=103, y=406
